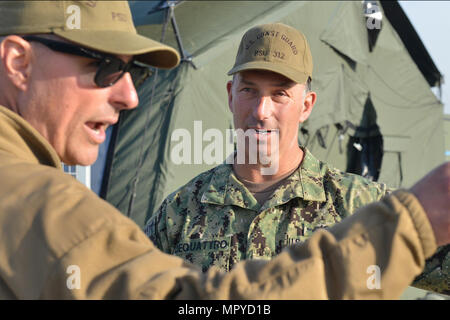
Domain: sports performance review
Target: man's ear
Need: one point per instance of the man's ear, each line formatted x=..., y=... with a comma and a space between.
x=15, y=54
x=308, y=105
x=230, y=94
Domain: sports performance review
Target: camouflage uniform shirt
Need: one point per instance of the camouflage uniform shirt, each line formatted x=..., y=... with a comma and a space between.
x=215, y=220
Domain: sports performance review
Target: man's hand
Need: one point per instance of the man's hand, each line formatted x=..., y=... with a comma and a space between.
x=433, y=192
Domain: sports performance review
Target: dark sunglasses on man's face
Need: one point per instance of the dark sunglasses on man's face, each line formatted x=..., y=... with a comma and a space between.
x=110, y=68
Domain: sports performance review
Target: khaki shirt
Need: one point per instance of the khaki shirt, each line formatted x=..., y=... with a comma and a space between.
x=54, y=229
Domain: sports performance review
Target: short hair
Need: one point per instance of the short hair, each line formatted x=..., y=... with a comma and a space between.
x=308, y=87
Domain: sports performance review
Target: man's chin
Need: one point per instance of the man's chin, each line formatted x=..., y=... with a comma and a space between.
x=85, y=159
x=262, y=156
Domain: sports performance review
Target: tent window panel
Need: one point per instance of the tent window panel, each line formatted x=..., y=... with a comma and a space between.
x=365, y=156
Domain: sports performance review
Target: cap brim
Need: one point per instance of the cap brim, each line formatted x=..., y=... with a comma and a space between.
x=288, y=72
x=146, y=50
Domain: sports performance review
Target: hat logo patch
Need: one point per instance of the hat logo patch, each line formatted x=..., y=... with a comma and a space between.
x=261, y=35
x=274, y=34
x=267, y=34
x=261, y=53
x=290, y=43
x=265, y=53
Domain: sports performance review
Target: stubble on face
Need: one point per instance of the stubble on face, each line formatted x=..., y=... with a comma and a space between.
x=284, y=100
x=60, y=101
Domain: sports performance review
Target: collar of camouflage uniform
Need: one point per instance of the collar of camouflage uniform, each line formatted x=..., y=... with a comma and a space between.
x=305, y=183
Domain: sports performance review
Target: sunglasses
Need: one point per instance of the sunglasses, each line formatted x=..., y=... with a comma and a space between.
x=110, y=68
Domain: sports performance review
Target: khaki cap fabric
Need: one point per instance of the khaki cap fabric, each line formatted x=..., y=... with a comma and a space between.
x=275, y=47
x=105, y=26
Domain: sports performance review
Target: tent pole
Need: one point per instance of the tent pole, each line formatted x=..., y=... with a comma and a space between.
x=184, y=55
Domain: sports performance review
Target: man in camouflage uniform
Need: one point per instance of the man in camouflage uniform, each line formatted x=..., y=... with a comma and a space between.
x=234, y=212
x=216, y=220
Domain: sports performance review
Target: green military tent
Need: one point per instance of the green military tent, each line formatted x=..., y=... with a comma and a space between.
x=375, y=115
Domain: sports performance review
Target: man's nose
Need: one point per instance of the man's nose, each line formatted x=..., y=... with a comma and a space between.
x=263, y=108
x=123, y=93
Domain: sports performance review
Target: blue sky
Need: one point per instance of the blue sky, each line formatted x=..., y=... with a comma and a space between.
x=431, y=19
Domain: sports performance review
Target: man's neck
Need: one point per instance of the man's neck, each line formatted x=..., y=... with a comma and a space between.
x=253, y=172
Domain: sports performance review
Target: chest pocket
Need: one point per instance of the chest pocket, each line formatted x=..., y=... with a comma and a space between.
x=302, y=223
x=283, y=240
x=206, y=252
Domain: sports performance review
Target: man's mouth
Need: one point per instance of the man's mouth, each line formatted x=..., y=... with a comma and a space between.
x=97, y=127
x=263, y=134
x=97, y=131
x=263, y=131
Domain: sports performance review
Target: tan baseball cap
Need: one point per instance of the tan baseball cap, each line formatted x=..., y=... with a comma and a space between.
x=105, y=26
x=275, y=47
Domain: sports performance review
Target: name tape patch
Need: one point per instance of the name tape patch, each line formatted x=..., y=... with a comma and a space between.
x=220, y=244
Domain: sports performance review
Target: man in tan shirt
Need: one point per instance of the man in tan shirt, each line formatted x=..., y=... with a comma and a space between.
x=63, y=81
